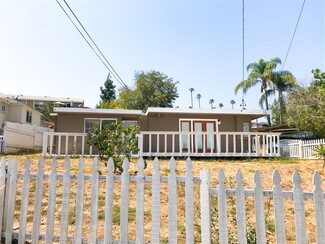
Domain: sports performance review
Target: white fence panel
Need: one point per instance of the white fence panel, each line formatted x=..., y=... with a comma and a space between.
x=22, y=136
x=304, y=149
x=62, y=183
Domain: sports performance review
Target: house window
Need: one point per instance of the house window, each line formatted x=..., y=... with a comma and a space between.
x=3, y=108
x=245, y=127
x=127, y=123
x=29, y=117
x=91, y=124
x=39, y=105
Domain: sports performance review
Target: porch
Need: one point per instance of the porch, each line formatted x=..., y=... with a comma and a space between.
x=176, y=144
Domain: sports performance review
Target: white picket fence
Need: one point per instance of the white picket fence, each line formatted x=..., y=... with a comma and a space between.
x=63, y=184
x=303, y=148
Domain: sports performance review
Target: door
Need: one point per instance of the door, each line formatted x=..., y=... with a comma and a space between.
x=199, y=136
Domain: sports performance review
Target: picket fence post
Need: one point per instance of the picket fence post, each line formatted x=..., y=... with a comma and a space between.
x=24, y=202
x=65, y=202
x=2, y=190
x=240, y=209
x=205, y=205
x=189, y=202
x=124, y=211
x=299, y=207
x=155, y=203
x=280, y=232
x=94, y=202
x=319, y=208
x=172, y=202
x=259, y=208
x=222, y=208
x=108, y=230
x=11, y=199
x=140, y=203
x=79, y=202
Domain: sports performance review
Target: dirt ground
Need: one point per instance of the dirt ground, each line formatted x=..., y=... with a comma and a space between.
x=286, y=167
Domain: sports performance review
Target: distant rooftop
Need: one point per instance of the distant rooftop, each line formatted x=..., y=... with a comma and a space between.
x=42, y=98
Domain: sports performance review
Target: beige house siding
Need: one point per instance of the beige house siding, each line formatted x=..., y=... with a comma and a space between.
x=76, y=122
x=17, y=114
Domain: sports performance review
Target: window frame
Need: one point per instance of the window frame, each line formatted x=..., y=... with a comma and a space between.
x=29, y=116
x=100, y=122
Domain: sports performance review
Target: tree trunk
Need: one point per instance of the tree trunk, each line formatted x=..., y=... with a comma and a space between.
x=267, y=108
x=281, y=107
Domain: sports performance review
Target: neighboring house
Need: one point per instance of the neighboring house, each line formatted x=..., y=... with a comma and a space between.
x=17, y=112
x=168, y=131
x=20, y=126
x=38, y=102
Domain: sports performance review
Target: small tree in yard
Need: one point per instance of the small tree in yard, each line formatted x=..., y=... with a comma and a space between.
x=115, y=141
x=320, y=153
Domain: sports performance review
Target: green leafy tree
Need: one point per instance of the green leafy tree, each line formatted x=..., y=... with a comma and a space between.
x=283, y=82
x=306, y=107
x=107, y=95
x=261, y=73
x=275, y=108
x=115, y=141
x=47, y=111
x=152, y=89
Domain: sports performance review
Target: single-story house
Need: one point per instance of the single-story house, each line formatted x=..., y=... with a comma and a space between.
x=167, y=131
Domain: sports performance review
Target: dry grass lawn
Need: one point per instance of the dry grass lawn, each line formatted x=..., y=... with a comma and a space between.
x=286, y=168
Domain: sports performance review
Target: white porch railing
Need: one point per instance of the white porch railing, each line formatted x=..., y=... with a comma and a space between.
x=167, y=144
x=205, y=144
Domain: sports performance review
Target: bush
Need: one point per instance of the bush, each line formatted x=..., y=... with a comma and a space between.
x=115, y=141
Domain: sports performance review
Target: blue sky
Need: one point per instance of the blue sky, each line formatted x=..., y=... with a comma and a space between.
x=198, y=43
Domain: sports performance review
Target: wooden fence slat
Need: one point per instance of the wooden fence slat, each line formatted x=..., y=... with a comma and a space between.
x=38, y=202
x=259, y=208
x=140, y=203
x=205, y=207
x=2, y=189
x=240, y=209
x=11, y=199
x=189, y=202
x=94, y=202
x=222, y=209
x=172, y=202
x=51, y=203
x=319, y=208
x=65, y=202
x=79, y=202
x=155, y=203
x=280, y=231
x=24, y=203
x=109, y=201
x=299, y=207
x=124, y=211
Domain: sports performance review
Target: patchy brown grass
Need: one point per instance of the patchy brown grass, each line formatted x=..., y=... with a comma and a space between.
x=286, y=168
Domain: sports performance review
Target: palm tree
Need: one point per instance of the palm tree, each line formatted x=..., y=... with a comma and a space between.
x=198, y=96
x=220, y=105
x=191, y=91
x=211, y=101
x=232, y=102
x=283, y=81
x=260, y=72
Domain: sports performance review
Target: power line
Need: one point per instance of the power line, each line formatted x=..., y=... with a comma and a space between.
x=243, y=23
x=114, y=73
x=294, y=33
